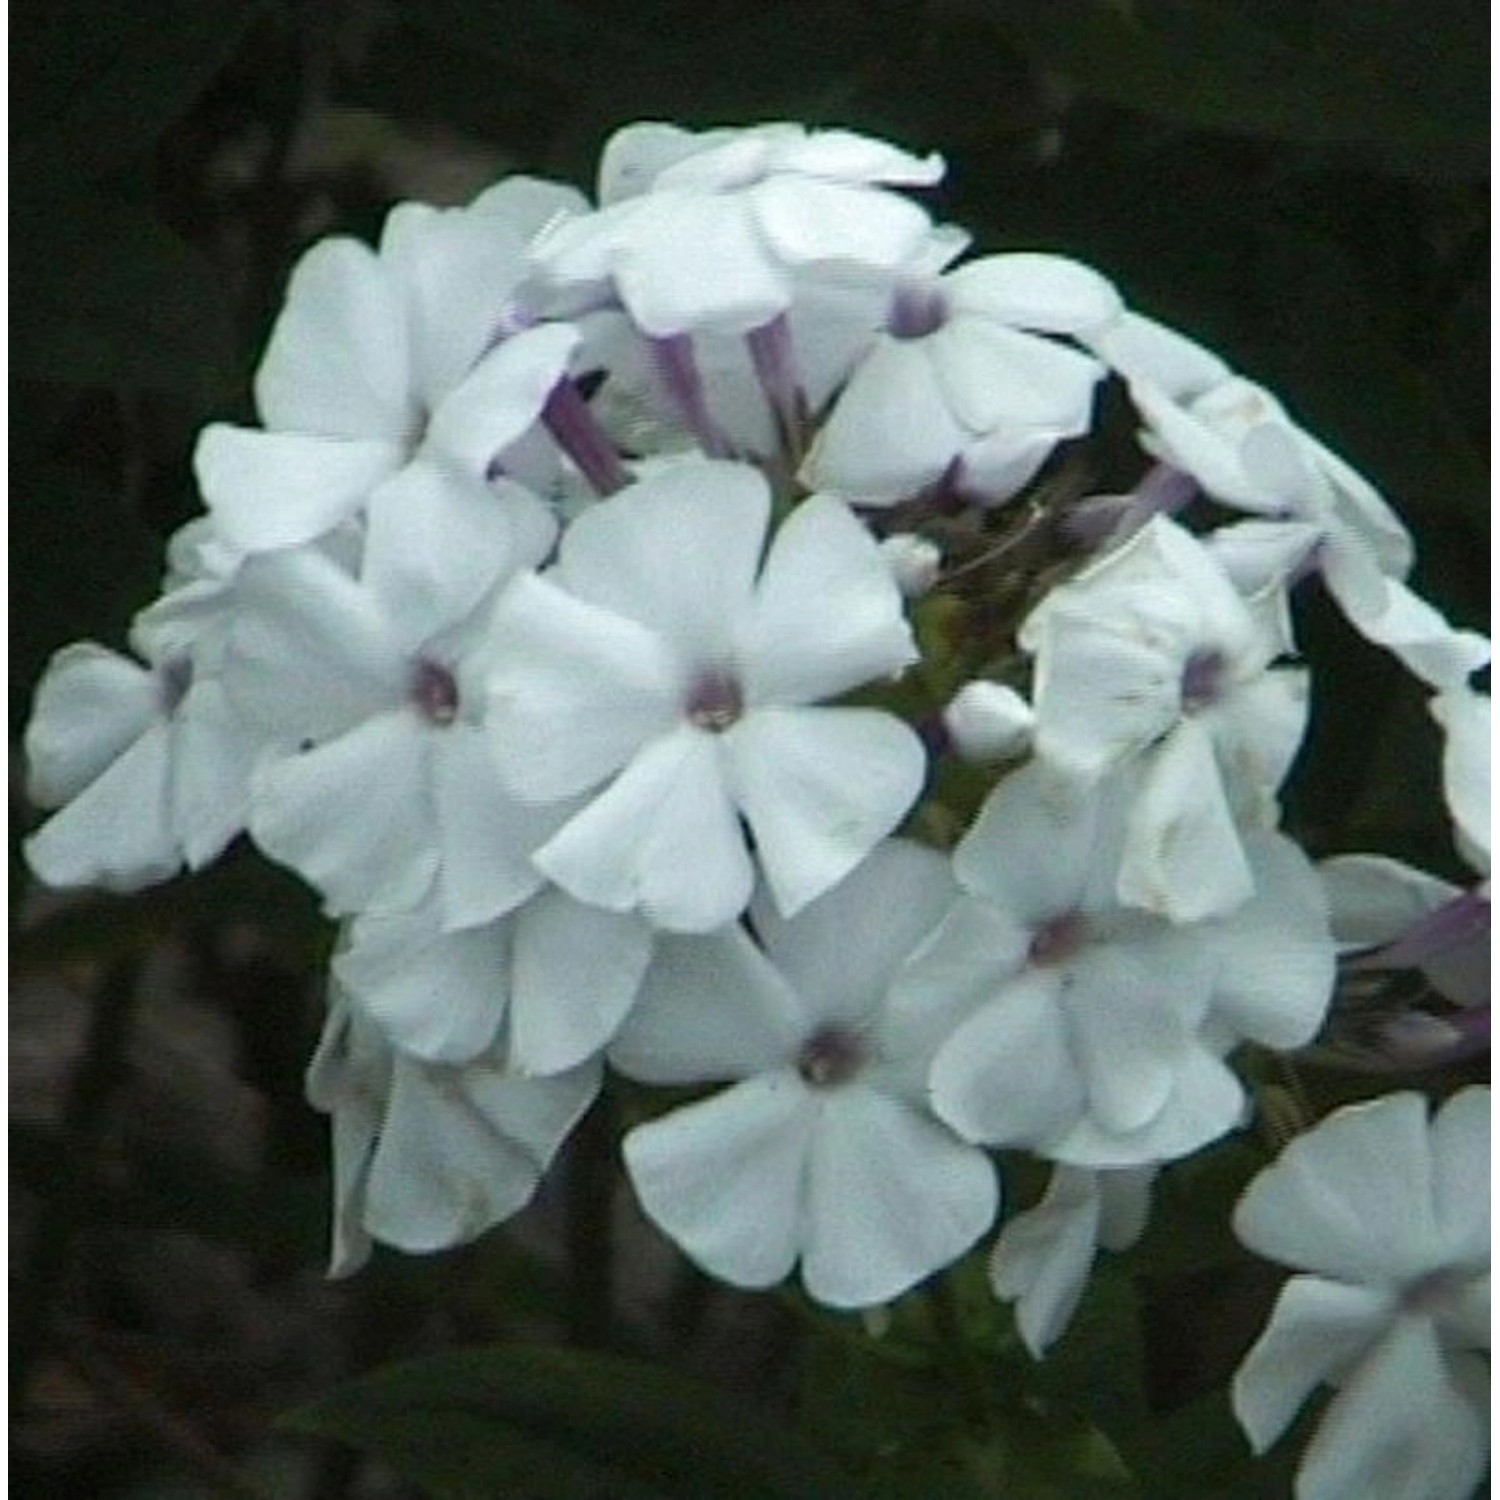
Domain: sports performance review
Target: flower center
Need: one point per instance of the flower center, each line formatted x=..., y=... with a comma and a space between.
x=173, y=679
x=715, y=701
x=1203, y=680
x=1435, y=1292
x=830, y=1057
x=434, y=690
x=1057, y=941
x=916, y=311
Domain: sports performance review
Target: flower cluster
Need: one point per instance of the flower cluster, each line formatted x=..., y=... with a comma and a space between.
x=592, y=621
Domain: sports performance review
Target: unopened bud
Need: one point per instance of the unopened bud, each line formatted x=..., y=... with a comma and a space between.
x=988, y=721
x=914, y=562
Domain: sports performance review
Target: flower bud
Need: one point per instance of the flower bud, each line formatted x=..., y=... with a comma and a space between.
x=987, y=721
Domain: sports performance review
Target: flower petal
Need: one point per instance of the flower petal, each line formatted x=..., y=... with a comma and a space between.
x=995, y=376
x=826, y=615
x=1460, y=1160
x=663, y=836
x=314, y=811
x=1049, y=293
x=212, y=757
x=723, y=1177
x=892, y=1196
x=337, y=363
x=711, y=1008
x=267, y=490
x=575, y=690
x=575, y=973
x=810, y=221
x=820, y=788
x=1318, y=1330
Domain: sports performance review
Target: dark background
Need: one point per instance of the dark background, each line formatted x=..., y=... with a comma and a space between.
x=1303, y=186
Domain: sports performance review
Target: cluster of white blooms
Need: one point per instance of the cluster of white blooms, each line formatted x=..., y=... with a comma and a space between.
x=571, y=624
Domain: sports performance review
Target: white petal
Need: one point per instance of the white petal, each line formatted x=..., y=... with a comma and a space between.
x=1465, y=717
x=90, y=706
x=1372, y=900
x=1460, y=1164
x=435, y=544
x=439, y=996
x=677, y=552
x=1399, y=1429
x=117, y=832
x=529, y=204
x=659, y=273
x=845, y=156
x=1258, y=728
x=487, y=835
x=1140, y=348
x=1006, y=1076
x=711, y=1008
x=575, y=973
x=1183, y=858
x=1003, y=463
x=891, y=431
x=1192, y=445
x=309, y=654
x=1352, y=1198
x=995, y=376
x=337, y=362
x=826, y=615
x=1032, y=846
x=723, y=1178
x=1043, y=1256
x=892, y=1196
x=267, y=490
x=808, y=221
x=1275, y=952
x=500, y=397
x=842, y=980
x=212, y=756
x=663, y=837
x=1422, y=640
x=461, y=1149
x=575, y=692
x=1049, y=293
x=820, y=788
x=1317, y=1331
x=315, y=812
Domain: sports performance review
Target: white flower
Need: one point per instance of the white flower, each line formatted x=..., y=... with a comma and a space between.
x=1238, y=442
x=1090, y=1032
x=1465, y=717
x=823, y=1152
x=709, y=232
x=427, y=1155
x=1151, y=655
x=379, y=389
x=661, y=659
x=555, y=976
x=914, y=561
x=1387, y=1213
x=148, y=763
x=960, y=373
x=378, y=780
x=1043, y=1256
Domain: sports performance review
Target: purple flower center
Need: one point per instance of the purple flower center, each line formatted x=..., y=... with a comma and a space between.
x=1202, y=680
x=916, y=311
x=715, y=701
x=1058, y=940
x=830, y=1057
x=434, y=690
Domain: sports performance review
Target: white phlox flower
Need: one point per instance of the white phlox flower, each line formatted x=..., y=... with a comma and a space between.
x=1090, y=1032
x=376, y=782
x=961, y=373
x=1385, y=1214
x=384, y=390
x=148, y=763
x=763, y=206
x=1238, y=442
x=823, y=1151
x=550, y=980
x=1152, y=656
x=1042, y=1258
x=429, y=1155
x=1464, y=715
x=662, y=663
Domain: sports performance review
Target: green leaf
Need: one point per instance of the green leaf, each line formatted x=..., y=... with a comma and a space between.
x=95, y=82
x=1340, y=78
x=559, y=1424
